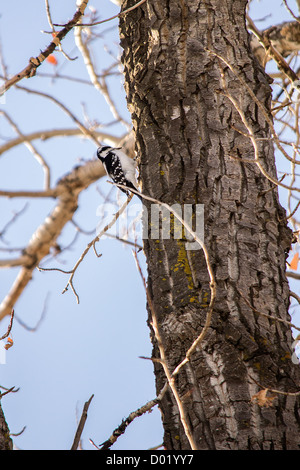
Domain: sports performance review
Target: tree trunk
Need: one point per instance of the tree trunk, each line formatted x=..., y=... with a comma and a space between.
x=187, y=133
x=5, y=440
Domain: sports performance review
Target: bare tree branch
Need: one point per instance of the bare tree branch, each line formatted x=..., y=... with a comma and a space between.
x=87, y=132
x=100, y=86
x=68, y=190
x=271, y=317
x=284, y=38
x=263, y=110
x=34, y=328
x=297, y=297
x=34, y=194
x=81, y=424
x=273, y=53
x=12, y=220
x=112, y=17
x=125, y=423
x=40, y=159
x=35, y=62
x=293, y=275
x=9, y=326
x=87, y=249
x=54, y=32
x=48, y=134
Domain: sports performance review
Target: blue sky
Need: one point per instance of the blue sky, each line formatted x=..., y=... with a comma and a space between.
x=93, y=347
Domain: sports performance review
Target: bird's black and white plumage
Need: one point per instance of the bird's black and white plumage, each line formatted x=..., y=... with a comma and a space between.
x=119, y=167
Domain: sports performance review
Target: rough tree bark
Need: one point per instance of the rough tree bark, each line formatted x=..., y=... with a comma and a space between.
x=186, y=134
x=5, y=440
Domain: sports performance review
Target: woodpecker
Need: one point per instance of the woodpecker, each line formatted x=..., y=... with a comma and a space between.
x=119, y=167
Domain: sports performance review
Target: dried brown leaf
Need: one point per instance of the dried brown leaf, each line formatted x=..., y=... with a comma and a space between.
x=261, y=398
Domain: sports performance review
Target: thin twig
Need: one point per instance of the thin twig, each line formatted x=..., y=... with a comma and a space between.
x=87, y=249
x=112, y=17
x=256, y=100
x=183, y=222
x=9, y=326
x=39, y=158
x=81, y=424
x=257, y=153
x=123, y=240
x=213, y=286
x=293, y=275
x=134, y=414
x=7, y=391
x=99, y=85
x=34, y=328
x=296, y=296
x=170, y=377
x=125, y=423
x=81, y=126
x=63, y=132
x=272, y=390
x=54, y=32
x=271, y=317
x=12, y=220
x=11, y=389
x=15, y=434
